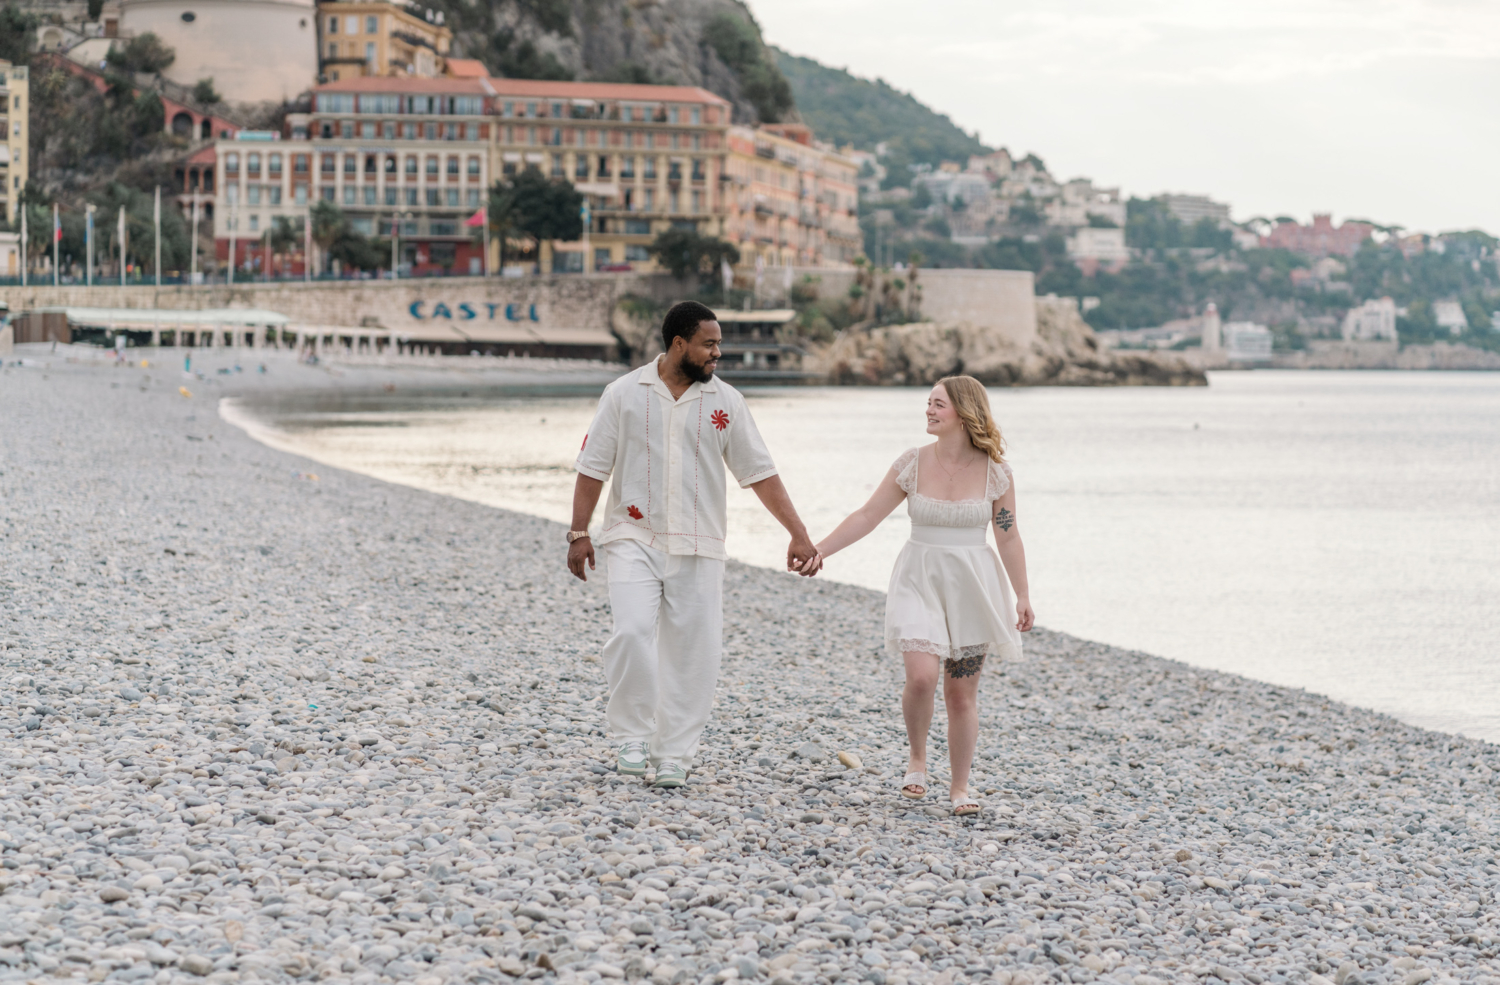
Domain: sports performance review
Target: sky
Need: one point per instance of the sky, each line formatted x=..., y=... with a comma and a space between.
x=1376, y=109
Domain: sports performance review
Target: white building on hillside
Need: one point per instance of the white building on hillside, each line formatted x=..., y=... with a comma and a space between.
x=1247, y=342
x=1373, y=321
x=1105, y=245
x=1080, y=200
x=1190, y=208
x=1450, y=315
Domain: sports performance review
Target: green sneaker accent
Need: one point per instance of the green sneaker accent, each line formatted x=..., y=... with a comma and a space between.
x=633, y=759
x=669, y=774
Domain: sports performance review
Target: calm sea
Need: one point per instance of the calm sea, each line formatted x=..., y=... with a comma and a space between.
x=1333, y=531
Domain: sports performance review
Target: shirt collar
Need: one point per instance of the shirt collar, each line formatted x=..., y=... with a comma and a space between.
x=652, y=377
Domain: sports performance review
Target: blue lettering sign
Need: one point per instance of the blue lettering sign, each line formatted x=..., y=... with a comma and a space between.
x=533, y=314
x=416, y=309
x=492, y=308
x=510, y=313
x=440, y=310
x=466, y=311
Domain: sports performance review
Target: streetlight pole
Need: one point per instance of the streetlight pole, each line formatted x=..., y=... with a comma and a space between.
x=88, y=245
x=156, y=218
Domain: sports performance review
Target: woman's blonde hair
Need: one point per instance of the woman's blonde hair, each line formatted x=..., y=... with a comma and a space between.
x=972, y=405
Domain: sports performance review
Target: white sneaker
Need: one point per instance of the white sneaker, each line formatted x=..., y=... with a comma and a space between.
x=633, y=758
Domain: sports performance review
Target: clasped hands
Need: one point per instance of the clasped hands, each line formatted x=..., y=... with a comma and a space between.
x=802, y=557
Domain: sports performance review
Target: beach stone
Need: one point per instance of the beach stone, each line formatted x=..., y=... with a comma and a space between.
x=1144, y=819
x=196, y=964
x=810, y=751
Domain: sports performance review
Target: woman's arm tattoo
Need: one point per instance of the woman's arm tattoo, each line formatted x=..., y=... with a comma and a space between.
x=1005, y=519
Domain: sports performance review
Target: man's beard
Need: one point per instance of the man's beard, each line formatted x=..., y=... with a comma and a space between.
x=697, y=372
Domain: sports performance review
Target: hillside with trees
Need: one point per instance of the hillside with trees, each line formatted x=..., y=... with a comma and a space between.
x=846, y=109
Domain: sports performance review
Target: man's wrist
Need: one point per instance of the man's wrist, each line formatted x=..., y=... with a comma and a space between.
x=577, y=535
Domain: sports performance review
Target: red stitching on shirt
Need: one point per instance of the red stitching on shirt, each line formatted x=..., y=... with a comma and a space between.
x=697, y=460
x=649, y=395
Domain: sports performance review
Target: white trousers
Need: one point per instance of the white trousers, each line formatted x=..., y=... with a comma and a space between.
x=662, y=661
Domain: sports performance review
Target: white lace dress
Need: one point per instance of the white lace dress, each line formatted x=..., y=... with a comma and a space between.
x=949, y=595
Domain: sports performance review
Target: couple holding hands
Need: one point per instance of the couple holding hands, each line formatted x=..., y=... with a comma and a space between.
x=662, y=437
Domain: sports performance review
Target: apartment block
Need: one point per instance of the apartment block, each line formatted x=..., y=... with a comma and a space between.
x=790, y=201
x=409, y=151
x=15, y=89
x=379, y=37
x=647, y=158
x=1189, y=209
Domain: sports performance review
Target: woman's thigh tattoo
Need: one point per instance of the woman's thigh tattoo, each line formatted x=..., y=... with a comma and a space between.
x=964, y=666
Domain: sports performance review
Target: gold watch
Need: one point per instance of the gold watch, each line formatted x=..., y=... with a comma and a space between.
x=576, y=535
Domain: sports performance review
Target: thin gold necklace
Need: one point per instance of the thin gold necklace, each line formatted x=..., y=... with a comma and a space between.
x=952, y=474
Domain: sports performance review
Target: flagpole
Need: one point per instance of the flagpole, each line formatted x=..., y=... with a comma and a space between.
x=193, y=260
x=157, y=219
x=23, y=244
x=88, y=246
x=486, y=211
x=56, y=237
x=122, y=246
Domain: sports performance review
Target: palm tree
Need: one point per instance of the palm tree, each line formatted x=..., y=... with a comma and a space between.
x=328, y=224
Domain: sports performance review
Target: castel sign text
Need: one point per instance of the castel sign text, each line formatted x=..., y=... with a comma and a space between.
x=464, y=311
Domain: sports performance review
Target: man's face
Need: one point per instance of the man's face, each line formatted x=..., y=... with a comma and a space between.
x=700, y=356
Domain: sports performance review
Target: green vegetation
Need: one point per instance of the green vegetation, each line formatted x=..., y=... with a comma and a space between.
x=1150, y=225
x=142, y=53
x=339, y=241
x=738, y=44
x=684, y=252
x=533, y=205
x=140, y=242
x=17, y=29
x=205, y=93
x=844, y=109
x=522, y=61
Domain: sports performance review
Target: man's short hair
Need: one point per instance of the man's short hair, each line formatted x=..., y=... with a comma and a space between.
x=683, y=320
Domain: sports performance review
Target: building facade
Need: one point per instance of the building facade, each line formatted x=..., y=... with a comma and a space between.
x=646, y=158
x=15, y=89
x=254, y=50
x=1373, y=321
x=423, y=152
x=1189, y=209
x=379, y=37
x=1320, y=239
x=789, y=201
x=408, y=151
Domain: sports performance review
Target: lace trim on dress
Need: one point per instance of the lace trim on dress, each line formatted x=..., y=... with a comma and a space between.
x=905, y=468
x=938, y=649
x=948, y=512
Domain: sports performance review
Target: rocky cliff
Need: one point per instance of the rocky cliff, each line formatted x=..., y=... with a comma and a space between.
x=715, y=44
x=1064, y=353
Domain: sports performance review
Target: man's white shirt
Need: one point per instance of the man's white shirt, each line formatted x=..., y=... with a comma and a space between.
x=665, y=460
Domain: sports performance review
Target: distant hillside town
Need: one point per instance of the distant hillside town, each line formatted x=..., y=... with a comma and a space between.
x=363, y=138
x=292, y=134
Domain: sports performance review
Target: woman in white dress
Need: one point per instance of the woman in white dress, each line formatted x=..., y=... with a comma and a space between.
x=949, y=604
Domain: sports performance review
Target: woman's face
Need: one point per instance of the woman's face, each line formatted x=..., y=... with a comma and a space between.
x=941, y=417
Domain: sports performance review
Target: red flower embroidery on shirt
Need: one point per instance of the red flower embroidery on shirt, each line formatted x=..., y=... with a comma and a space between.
x=720, y=419
x=635, y=514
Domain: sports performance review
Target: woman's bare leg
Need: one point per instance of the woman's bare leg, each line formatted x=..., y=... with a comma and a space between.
x=961, y=696
x=916, y=706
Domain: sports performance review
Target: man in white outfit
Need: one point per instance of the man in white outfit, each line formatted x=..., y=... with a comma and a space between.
x=662, y=436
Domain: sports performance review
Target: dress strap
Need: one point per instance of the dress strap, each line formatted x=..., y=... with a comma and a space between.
x=905, y=469
x=998, y=481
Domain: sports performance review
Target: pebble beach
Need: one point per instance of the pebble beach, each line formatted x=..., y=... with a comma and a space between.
x=261, y=720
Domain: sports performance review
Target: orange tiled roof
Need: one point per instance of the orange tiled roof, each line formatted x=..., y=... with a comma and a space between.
x=542, y=89
x=466, y=68
x=408, y=84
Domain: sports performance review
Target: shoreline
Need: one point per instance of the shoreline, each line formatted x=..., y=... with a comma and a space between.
x=372, y=719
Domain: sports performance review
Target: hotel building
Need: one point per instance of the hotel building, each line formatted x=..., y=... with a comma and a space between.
x=647, y=159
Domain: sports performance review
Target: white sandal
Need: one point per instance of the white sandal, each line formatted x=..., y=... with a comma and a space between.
x=914, y=780
x=965, y=806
